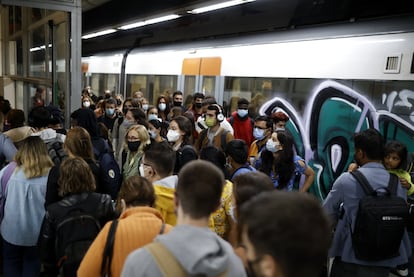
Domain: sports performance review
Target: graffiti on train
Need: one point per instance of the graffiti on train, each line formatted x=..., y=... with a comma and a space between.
x=323, y=133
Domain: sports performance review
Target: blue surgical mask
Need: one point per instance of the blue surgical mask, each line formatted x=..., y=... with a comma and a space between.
x=152, y=134
x=258, y=133
x=242, y=113
x=110, y=112
x=145, y=107
x=152, y=117
x=162, y=106
x=127, y=123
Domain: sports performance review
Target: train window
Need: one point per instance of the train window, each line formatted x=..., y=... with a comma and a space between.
x=100, y=82
x=151, y=85
x=208, y=85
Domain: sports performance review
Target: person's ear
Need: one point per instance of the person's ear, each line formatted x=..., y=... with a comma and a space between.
x=123, y=205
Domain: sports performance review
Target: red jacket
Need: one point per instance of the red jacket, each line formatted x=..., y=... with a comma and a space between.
x=243, y=129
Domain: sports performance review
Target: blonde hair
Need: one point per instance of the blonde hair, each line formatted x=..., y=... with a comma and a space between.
x=142, y=134
x=79, y=143
x=33, y=157
x=75, y=176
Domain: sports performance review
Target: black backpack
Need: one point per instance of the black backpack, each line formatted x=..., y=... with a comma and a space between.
x=56, y=151
x=74, y=234
x=380, y=221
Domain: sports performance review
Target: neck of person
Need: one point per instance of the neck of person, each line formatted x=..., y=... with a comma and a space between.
x=183, y=218
x=178, y=143
x=215, y=128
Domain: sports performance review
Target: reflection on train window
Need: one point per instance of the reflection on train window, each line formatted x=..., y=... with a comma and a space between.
x=208, y=86
x=151, y=85
x=15, y=19
x=102, y=82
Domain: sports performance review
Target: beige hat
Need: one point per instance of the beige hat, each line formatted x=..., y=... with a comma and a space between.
x=19, y=134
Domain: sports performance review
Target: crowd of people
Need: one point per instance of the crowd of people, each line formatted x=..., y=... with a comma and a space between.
x=133, y=189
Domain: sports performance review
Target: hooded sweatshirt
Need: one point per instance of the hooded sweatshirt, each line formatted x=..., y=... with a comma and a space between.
x=164, y=203
x=197, y=249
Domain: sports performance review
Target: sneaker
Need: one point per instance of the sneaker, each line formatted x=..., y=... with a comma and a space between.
x=400, y=272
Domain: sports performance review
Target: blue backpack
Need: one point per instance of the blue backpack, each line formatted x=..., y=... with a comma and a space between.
x=110, y=173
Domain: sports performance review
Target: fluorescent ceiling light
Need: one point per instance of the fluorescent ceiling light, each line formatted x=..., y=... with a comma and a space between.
x=100, y=33
x=149, y=21
x=219, y=6
x=38, y=48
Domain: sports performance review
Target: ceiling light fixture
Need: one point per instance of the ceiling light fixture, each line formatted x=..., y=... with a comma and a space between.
x=149, y=21
x=219, y=6
x=100, y=33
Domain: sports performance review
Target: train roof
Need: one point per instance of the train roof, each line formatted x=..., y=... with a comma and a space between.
x=253, y=17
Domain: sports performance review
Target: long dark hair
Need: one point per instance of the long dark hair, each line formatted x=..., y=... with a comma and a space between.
x=282, y=162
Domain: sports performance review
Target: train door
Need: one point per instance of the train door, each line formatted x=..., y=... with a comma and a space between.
x=203, y=75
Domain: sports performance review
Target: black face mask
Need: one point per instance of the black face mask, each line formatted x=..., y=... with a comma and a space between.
x=177, y=104
x=198, y=105
x=133, y=145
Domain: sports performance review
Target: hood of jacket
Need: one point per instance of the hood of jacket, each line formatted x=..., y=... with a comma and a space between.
x=198, y=249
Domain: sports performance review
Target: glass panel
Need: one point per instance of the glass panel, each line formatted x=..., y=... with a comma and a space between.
x=61, y=49
x=151, y=86
x=208, y=87
x=15, y=57
x=15, y=19
x=190, y=84
x=37, y=56
x=37, y=14
x=103, y=82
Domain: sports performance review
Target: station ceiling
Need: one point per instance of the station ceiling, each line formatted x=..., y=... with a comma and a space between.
x=255, y=17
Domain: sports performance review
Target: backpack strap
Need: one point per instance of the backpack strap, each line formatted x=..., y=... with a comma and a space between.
x=108, y=250
x=166, y=261
x=362, y=180
x=231, y=120
x=393, y=184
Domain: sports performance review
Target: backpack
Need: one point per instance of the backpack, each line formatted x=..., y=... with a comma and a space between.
x=56, y=151
x=74, y=234
x=380, y=221
x=4, y=182
x=110, y=173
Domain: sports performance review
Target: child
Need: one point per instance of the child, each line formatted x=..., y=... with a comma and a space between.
x=395, y=159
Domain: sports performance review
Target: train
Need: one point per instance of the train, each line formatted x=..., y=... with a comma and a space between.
x=331, y=80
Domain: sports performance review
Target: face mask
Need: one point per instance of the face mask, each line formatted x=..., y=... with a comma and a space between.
x=145, y=107
x=118, y=102
x=172, y=135
x=141, y=170
x=162, y=106
x=210, y=121
x=127, y=123
x=86, y=104
x=152, y=117
x=177, y=104
x=110, y=112
x=198, y=105
x=271, y=146
x=258, y=133
x=242, y=113
x=152, y=134
x=280, y=129
x=133, y=145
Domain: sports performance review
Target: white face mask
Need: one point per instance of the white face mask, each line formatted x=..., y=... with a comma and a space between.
x=145, y=107
x=272, y=146
x=141, y=170
x=172, y=135
x=86, y=104
x=162, y=106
